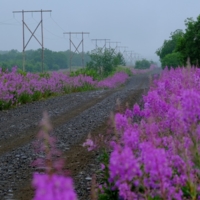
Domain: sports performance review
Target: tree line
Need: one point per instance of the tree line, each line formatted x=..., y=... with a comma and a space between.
x=144, y=64
x=52, y=60
x=182, y=45
x=101, y=60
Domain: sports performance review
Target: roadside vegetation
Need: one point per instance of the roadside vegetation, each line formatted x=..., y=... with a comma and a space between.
x=103, y=71
x=152, y=152
x=16, y=88
x=155, y=150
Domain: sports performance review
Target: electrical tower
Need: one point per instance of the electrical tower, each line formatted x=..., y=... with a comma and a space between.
x=96, y=45
x=76, y=47
x=136, y=56
x=124, y=47
x=123, y=52
x=114, y=49
x=32, y=34
x=130, y=56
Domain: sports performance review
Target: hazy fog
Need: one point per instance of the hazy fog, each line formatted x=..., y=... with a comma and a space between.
x=142, y=25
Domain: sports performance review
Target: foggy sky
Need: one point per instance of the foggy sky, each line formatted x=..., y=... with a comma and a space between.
x=142, y=25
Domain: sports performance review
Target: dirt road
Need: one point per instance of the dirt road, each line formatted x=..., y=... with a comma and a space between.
x=73, y=116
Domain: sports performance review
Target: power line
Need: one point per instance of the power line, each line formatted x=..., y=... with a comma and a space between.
x=33, y=33
x=114, y=49
x=17, y=21
x=6, y=20
x=49, y=30
x=55, y=34
x=96, y=43
x=2, y=23
x=124, y=47
x=57, y=24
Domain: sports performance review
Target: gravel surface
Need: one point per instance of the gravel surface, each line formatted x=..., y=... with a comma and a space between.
x=73, y=116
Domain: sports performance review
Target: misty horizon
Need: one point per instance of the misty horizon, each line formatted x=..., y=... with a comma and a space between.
x=141, y=26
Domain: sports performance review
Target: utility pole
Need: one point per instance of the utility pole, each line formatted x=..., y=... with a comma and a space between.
x=124, y=47
x=115, y=46
x=76, y=47
x=123, y=53
x=96, y=45
x=136, y=56
x=130, y=56
x=32, y=34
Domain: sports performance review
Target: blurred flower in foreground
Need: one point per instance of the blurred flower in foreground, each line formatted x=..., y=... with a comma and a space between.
x=52, y=183
x=53, y=187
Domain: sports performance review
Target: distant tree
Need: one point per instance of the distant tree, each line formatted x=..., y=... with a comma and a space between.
x=4, y=65
x=119, y=59
x=55, y=67
x=29, y=67
x=105, y=61
x=143, y=64
x=182, y=45
x=169, y=46
x=189, y=44
x=3, y=52
x=33, y=57
x=167, y=51
x=174, y=60
x=52, y=60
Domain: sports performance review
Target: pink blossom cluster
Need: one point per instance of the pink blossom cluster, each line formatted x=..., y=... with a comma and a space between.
x=89, y=144
x=14, y=84
x=53, y=187
x=113, y=81
x=53, y=182
x=158, y=157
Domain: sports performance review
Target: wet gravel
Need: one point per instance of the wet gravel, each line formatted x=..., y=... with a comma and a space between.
x=15, y=162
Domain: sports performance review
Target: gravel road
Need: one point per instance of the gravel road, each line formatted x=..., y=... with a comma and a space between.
x=73, y=116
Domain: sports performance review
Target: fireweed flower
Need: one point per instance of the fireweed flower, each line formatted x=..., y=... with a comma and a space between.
x=131, y=138
x=125, y=192
x=13, y=85
x=128, y=113
x=53, y=183
x=112, y=82
x=123, y=164
x=89, y=144
x=161, y=152
x=55, y=187
x=120, y=121
x=136, y=110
